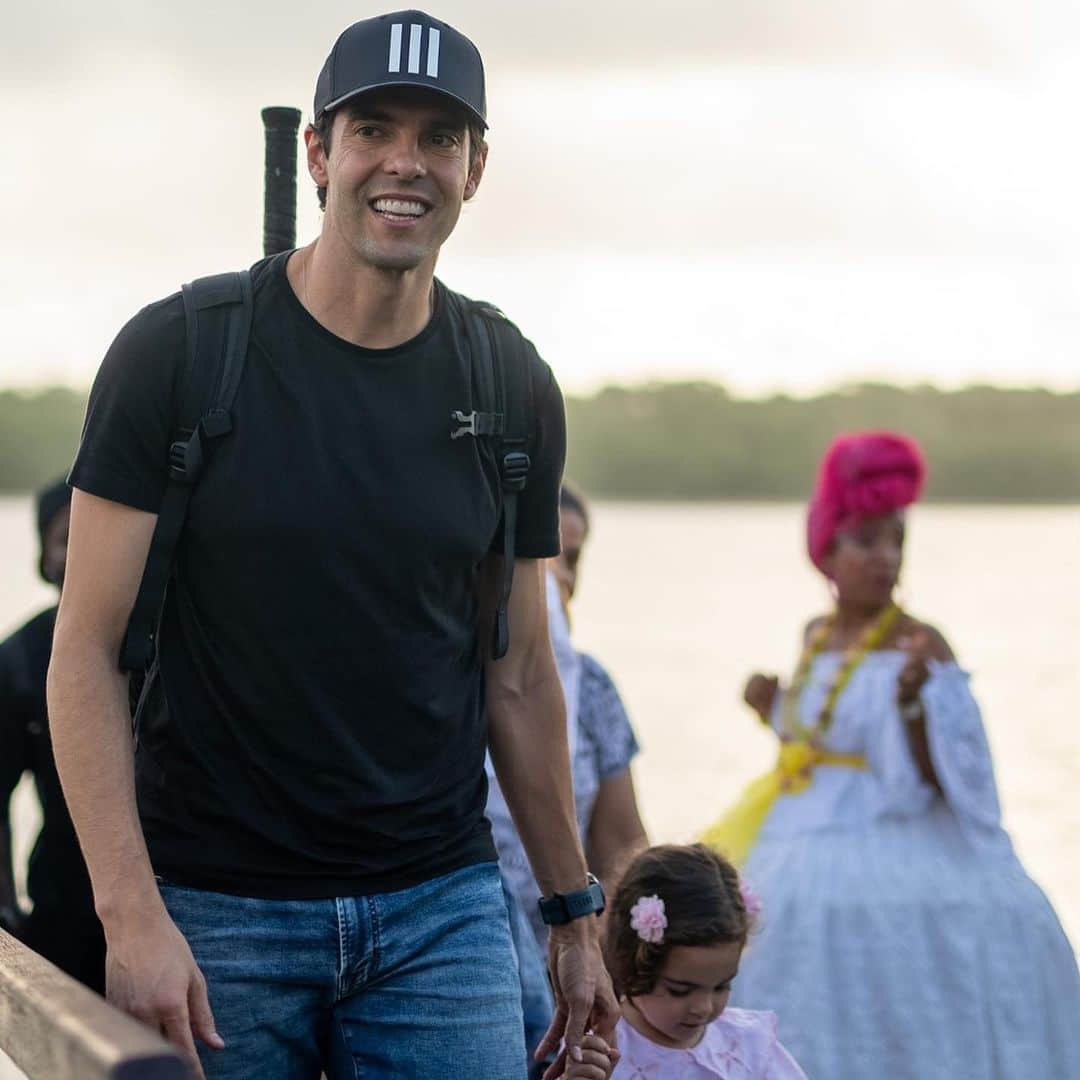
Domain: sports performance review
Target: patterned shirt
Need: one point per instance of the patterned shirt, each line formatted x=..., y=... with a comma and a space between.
x=605, y=746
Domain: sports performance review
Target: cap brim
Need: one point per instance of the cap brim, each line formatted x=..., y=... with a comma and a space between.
x=381, y=85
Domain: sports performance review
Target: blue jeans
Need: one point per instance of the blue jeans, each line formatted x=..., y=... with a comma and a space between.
x=537, y=1002
x=418, y=983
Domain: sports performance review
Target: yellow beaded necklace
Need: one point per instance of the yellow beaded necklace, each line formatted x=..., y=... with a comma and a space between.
x=854, y=655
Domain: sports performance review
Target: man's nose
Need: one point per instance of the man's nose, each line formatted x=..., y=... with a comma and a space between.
x=405, y=158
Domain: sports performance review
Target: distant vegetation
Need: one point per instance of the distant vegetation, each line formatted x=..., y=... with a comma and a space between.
x=695, y=441
x=38, y=436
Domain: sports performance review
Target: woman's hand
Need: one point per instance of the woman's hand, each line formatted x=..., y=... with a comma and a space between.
x=597, y=1060
x=760, y=693
x=919, y=646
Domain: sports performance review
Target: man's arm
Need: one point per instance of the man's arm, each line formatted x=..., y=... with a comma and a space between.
x=150, y=971
x=527, y=734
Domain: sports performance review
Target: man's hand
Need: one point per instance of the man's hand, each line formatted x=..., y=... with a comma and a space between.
x=584, y=998
x=151, y=974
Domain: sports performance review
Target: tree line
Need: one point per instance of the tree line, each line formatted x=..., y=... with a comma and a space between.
x=696, y=441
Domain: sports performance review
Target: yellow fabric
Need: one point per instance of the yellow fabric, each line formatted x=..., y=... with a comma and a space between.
x=735, y=834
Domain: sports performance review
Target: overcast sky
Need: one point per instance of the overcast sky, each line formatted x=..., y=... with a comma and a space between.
x=774, y=193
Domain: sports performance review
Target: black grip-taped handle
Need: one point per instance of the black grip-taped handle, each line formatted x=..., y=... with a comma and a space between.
x=280, y=124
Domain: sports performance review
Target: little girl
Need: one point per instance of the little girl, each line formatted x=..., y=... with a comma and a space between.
x=676, y=930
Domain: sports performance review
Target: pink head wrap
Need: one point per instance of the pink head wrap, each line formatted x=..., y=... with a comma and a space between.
x=862, y=475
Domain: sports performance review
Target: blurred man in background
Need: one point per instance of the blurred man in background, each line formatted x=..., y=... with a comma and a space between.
x=62, y=926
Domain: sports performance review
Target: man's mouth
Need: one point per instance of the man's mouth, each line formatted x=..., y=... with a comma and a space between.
x=399, y=209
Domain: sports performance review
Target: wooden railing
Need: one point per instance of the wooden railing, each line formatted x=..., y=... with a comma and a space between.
x=53, y=1028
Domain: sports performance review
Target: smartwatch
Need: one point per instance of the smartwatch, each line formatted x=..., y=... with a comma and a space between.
x=562, y=908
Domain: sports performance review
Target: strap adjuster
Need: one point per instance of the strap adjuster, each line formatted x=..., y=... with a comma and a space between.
x=515, y=470
x=186, y=459
x=186, y=455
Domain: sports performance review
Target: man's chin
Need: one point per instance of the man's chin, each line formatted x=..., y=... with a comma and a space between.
x=398, y=260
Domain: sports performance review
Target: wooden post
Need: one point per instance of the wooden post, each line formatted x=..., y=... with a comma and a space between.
x=53, y=1028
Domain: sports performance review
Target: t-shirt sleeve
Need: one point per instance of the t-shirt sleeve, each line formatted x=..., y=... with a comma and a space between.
x=603, y=718
x=123, y=453
x=537, y=535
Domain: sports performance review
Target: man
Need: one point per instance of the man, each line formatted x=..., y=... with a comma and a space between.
x=62, y=925
x=309, y=883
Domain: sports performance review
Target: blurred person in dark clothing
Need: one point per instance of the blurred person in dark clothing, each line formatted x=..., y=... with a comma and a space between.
x=62, y=926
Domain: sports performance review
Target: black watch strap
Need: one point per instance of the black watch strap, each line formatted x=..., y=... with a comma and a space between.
x=565, y=907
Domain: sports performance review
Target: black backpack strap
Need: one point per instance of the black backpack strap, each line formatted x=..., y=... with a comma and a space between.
x=501, y=378
x=217, y=315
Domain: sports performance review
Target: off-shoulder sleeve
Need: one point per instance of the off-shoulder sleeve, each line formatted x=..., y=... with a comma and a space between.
x=959, y=748
x=782, y=1066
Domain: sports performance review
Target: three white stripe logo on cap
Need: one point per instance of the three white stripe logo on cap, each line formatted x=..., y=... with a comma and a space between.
x=416, y=33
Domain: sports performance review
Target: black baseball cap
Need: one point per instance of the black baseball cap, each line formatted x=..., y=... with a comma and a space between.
x=405, y=48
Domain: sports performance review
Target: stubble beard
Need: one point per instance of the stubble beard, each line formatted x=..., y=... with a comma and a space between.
x=400, y=260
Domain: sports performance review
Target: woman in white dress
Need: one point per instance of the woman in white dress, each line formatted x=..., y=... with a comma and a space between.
x=903, y=937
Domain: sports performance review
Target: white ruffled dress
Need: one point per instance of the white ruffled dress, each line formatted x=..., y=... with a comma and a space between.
x=738, y=1045
x=901, y=938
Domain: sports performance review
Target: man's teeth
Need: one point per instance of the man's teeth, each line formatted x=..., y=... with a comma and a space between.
x=400, y=207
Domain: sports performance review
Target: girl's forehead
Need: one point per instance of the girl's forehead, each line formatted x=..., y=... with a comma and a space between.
x=702, y=965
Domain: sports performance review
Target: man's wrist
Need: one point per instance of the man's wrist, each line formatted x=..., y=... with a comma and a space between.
x=562, y=908
x=129, y=906
x=579, y=932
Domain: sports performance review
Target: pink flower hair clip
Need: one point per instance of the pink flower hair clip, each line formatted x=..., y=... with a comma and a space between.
x=751, y=901
x=648, y=919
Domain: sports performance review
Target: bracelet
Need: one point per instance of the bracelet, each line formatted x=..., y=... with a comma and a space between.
x=911, y=712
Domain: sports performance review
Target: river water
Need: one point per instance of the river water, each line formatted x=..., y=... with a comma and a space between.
x=682, y=601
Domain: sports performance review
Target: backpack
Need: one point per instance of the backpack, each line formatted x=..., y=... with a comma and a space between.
x=217, y=313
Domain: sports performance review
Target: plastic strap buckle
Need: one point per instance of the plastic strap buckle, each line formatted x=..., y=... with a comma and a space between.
x=476, y=424
x=186, y=457
x=515, y=470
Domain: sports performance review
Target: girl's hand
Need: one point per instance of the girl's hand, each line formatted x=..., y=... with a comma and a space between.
x=597, y=1060
x=760, y=693
x=919, y=647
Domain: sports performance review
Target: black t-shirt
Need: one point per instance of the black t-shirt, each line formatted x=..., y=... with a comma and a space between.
x=317, y=725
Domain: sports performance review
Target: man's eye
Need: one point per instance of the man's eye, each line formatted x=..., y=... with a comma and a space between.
x=677, y=993
x=367, y=131
x=444, y=139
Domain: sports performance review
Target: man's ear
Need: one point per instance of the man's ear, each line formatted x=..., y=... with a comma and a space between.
x=316, y=157
x=476, y=172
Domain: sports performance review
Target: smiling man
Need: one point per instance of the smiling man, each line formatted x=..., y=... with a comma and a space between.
x=292, y=864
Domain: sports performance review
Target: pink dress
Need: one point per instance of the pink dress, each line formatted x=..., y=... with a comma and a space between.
x=738, y=1045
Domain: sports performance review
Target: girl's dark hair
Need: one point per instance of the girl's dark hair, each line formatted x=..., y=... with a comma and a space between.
x=702, y=903
x=572, y=499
